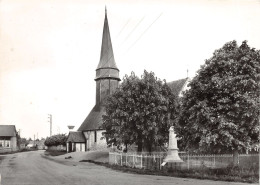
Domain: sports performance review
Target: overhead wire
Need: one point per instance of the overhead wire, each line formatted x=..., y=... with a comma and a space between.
x=123, y=27
x=127, y=38
x=144, y=32
x=133, y=30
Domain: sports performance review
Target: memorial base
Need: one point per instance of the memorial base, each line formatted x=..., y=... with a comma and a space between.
x=172, y=156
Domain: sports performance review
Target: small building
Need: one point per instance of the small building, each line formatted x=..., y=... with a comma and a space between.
x=39, y=144
x=8, y=138
x=76, y=142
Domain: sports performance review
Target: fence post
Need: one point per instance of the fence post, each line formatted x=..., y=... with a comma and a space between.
x=141, y=161
x=188, y=161
x=160, y=162
x=214, y=160
x=121, y=159
x=133, y=160
x=126, y=159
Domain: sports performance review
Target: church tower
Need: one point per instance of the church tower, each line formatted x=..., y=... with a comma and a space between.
x=107, y=73
x=107, y=80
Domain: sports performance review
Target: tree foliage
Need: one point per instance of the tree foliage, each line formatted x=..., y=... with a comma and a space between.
x=23, y=141
x=139, y=112
x=220, y=112
x=55, y=140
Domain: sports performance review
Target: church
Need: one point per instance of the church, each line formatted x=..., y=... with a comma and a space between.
x=107, y=81
x=89, y=134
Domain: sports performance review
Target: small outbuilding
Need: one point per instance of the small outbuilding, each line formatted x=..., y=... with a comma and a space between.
x=8, y=138
x=76, y=142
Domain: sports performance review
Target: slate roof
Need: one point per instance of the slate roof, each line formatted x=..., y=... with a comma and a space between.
x=93, y=120
x=178, y=85
x=107, y=56
x=76, y=137
x=7, y=130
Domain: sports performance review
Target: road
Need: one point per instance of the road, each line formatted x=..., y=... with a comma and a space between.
x=30, y=168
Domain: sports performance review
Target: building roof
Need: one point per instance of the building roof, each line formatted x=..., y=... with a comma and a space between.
x=76, y=137
x=177, y=86
x=107, y=56
x=93, y=120
x=8, y=130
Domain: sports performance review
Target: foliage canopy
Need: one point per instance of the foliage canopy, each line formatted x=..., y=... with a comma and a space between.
x=55, y=140
x=139, y=112
x=220, y=112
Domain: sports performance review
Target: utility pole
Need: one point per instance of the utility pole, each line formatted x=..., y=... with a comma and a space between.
x=50, y=120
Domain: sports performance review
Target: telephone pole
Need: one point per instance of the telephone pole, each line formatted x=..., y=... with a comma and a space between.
x=50, y=120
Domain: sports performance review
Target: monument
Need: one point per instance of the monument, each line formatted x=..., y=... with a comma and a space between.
x=172, y=153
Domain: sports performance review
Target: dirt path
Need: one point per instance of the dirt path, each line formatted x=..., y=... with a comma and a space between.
x=33, y=169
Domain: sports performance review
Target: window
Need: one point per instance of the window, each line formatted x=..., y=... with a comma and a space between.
x=7, y=144
x=95, y=136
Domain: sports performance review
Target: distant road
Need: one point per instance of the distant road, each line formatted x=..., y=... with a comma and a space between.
x=30, y=168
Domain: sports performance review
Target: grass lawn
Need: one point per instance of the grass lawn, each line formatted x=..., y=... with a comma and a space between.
x=235, y=174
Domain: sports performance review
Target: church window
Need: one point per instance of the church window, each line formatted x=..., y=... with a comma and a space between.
x=95, y=136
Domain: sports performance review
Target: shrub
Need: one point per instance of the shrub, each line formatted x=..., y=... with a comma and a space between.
x=55, y=140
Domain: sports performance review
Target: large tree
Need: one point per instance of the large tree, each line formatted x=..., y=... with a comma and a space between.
x=139, y=112
x=220, y=112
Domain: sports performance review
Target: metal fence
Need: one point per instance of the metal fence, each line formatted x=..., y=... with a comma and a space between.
x=153, y=162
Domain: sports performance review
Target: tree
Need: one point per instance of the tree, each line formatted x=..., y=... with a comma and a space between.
x=220, y=112
x=23, y=141
x=139, y=112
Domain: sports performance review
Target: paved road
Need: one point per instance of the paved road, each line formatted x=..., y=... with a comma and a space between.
x=33, y=169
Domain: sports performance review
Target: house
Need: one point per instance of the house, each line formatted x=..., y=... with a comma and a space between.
x=8, y=138
x=39, y=144
x=76, y=142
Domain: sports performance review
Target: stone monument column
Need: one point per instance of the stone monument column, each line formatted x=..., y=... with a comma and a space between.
x=172, y=153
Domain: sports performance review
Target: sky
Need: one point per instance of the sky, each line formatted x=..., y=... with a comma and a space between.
x=50, y=49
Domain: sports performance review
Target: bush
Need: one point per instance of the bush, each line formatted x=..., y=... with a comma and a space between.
x=55, y=140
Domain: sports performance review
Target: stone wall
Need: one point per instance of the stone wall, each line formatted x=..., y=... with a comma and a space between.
x=98, y=144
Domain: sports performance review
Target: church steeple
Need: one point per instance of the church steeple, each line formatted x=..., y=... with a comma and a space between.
x=107, y=66
x=107, y=73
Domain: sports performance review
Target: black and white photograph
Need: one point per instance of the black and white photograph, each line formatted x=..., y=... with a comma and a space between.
x=131, y=92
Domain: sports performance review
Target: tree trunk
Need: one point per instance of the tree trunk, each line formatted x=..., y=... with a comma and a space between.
x=148, y=147
x=235, y=157
x=125, y=149
x=139, y=147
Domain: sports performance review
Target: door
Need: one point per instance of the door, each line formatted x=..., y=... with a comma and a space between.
x=70, y=147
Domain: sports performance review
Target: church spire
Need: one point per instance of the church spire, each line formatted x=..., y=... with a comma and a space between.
x=107, y=66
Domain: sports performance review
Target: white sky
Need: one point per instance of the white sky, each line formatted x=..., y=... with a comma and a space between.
x=49, y=50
